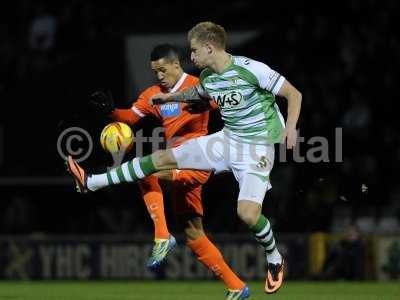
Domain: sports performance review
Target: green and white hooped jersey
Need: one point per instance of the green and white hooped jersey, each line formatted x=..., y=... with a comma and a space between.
x=245, y=93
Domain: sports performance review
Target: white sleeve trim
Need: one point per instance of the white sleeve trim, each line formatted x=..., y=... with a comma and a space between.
x=278, y=85
x=138, y=112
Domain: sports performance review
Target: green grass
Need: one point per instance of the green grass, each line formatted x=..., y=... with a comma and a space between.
x=168, y=290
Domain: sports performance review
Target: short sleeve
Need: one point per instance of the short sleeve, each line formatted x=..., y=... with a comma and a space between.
x=267, y=78
x=142, y=107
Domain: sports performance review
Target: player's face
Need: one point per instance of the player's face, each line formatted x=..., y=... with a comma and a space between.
x=199, y=53
x=167, y=72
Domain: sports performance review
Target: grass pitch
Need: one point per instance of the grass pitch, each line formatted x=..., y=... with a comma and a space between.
x=194, y=290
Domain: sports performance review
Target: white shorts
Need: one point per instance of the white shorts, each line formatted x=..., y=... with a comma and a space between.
x=251, y=164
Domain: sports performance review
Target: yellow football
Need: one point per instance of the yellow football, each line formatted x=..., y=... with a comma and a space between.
x=116, y=137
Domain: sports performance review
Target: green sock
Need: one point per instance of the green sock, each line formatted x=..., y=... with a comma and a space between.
x=131, y=171
x=263, y=234
x=147, y=165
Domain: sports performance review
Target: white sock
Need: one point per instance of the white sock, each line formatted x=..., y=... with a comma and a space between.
x=96, y=182
x=274, y=257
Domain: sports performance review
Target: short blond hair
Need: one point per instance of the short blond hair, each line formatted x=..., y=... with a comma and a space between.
x=209, y=32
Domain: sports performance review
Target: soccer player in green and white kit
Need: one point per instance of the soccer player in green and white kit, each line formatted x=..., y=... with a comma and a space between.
x=244, y=90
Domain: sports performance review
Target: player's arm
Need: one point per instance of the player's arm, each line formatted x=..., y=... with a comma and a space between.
x=294, y=97
x=127, y=116
x=193, y=94
x=272, y=81
x=104, y=104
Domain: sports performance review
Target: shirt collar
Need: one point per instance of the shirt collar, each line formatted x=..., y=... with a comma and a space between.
x=178, y=84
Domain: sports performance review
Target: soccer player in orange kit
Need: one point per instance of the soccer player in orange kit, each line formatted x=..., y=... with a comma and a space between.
x=181, y=123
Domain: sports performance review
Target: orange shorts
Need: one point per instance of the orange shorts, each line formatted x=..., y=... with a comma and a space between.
x=185, y=190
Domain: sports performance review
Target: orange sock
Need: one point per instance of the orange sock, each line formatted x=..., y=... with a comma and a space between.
x=211, y=257
x=153, y=198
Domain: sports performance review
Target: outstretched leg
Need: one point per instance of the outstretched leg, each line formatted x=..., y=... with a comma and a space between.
x=130, y=171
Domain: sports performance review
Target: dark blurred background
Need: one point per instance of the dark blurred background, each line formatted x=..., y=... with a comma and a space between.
x=344, y=56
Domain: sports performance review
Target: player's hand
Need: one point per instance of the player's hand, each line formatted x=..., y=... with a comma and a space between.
x=198, y=107
x=290, y=136
x=102, y=102
x=159, y=98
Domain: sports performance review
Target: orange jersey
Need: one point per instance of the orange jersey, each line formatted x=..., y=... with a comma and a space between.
x=177, y=121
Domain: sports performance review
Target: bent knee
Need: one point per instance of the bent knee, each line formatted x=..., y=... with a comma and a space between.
x=193, y=234
x=164, y=159
x=249, y=212
x=194, y=229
